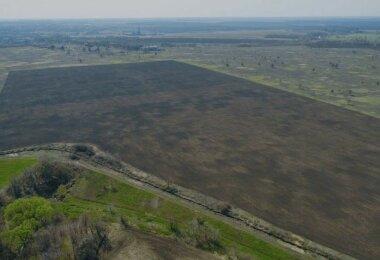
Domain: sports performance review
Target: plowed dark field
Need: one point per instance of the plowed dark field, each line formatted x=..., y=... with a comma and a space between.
x=306, y=166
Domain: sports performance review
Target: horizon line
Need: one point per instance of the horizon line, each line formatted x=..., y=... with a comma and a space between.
x=187, y=17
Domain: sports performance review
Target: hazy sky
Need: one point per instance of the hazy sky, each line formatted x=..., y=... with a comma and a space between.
x=185, y=8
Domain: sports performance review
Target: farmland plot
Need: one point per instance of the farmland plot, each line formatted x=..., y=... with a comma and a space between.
x=306, y=166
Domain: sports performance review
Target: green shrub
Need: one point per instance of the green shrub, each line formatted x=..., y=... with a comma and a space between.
x=171, y=189
x=174, y=228
x=226, y=210
x=202, y=235
x=22, y=218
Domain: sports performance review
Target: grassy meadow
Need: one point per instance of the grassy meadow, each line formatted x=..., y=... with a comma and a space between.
x=101, y=195
x=354, y=84
x=110, y=200
x=11, y=167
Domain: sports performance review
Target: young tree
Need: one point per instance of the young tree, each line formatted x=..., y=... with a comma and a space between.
x=22, y=218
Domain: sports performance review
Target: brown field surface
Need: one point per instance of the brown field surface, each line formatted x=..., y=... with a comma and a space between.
x=303, y=165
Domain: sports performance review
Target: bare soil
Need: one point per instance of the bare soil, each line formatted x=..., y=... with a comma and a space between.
x=303, y=165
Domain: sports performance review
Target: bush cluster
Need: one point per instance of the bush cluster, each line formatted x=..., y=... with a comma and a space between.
x=84, y=238
x=30, y=227
x=42, y=180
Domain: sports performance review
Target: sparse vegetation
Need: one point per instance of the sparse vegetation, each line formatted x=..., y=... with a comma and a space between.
x=200, y=234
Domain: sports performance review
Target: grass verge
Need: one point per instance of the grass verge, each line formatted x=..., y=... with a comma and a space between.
x=11, y=167
x=98, y=194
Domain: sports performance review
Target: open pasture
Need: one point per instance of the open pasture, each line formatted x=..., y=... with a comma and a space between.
x=346, y=77
x=303, y=165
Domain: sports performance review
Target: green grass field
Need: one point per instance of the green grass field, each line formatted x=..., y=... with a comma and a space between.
x=11, y=167
x=100, y=195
